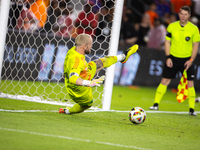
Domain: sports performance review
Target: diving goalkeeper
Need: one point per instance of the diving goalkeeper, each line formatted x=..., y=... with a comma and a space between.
x=79, y=74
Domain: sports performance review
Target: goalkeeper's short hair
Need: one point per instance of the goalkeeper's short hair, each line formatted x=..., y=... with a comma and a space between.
x=82, y=39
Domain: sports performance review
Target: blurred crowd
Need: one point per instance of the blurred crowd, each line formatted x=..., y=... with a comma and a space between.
x=144, y=22
x=66, y=18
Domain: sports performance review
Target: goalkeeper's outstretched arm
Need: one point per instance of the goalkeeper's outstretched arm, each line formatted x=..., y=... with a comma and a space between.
x=79, y=81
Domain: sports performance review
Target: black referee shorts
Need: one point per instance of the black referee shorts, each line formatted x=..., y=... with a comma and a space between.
x=178, y=65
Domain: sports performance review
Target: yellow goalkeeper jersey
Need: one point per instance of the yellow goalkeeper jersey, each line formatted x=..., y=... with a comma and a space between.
x=182, y=38
x=75, y=64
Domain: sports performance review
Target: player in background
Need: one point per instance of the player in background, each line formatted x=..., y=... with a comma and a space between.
x=181, y=46
x=79, y=74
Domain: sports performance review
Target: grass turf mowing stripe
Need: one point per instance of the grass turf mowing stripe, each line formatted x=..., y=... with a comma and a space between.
x=71, y=138
x=5, y=110
x=166, y=112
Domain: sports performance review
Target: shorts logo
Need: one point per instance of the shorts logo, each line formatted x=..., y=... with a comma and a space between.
x=187, y=38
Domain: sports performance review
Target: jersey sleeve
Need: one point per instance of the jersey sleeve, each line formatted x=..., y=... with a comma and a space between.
x=196, y=37
x=169, y=33
x=76, y=66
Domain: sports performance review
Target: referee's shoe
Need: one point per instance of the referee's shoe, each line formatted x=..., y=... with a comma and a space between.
x=192, y=113
x=154, y=107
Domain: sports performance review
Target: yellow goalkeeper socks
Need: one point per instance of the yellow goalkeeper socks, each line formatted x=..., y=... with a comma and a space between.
x=191, y=97
x=160, y=91
x=77, y=109
x=108, y=61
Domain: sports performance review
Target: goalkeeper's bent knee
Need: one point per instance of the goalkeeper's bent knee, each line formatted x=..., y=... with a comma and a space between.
x=78, y=108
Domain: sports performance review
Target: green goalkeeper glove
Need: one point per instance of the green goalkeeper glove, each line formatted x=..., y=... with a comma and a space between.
x=95, y=82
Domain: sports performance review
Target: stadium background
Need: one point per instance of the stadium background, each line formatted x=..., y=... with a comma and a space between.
x=144, y=68
x=39, y=55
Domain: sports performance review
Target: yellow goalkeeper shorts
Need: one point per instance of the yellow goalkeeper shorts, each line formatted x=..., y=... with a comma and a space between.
x=83, y=96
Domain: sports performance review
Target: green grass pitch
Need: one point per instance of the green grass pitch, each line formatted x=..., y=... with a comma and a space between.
x=42, y=127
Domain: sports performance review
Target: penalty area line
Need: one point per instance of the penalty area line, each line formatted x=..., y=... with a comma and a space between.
x=166, y=112
x=5, y=110
x=91, y=111
x=71, y=138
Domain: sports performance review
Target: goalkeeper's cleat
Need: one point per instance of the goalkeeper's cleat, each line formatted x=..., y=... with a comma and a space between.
x=64, y=110
x=192, y=113
x=129, y=52
x=153, y=108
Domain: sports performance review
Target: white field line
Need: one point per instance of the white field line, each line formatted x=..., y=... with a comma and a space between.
x=165, y=112
x=5, y=110
x=39, y=100
x=74, y=139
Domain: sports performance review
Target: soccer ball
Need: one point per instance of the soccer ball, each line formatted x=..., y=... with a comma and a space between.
x=137, y=115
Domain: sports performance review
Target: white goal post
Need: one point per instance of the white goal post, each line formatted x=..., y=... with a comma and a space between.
x=4, y=11
x=112, y=51
x=31, y=61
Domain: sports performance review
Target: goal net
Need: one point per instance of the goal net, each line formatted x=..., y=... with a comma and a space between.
x=39, y=35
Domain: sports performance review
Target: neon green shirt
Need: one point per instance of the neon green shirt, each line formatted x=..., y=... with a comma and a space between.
x=76, y=65
x=182, y=38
